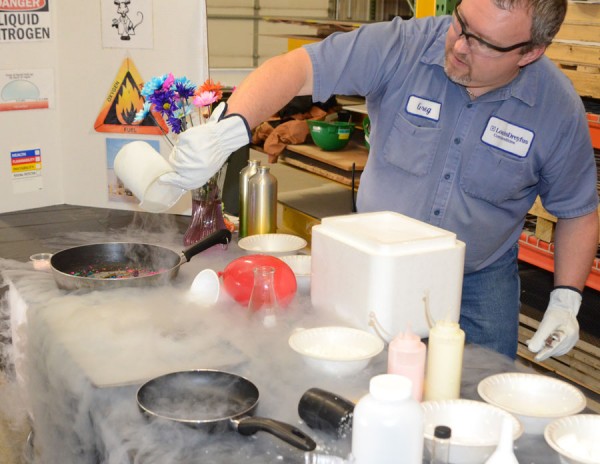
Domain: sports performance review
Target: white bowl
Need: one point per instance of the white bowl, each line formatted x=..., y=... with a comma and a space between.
x=336, y=350
x=475, y=425
x=576, y=438
x=534, y=399
x=272, y=244
x=300, y=264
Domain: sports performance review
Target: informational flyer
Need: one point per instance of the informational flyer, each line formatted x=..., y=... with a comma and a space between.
x=26, y=89
x=26, y=168
x=25, y=21
x=127, y=24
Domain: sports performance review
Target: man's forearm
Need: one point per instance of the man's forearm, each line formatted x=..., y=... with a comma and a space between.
x=271, y=86
x=576, y=243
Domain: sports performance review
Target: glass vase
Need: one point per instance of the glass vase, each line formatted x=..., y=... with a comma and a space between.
x=207, y=209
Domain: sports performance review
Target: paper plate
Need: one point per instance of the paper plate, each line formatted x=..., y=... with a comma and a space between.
x=475, y=425
x=535, y=399
x=275, y=244
x=336, y=350
x=576, y=438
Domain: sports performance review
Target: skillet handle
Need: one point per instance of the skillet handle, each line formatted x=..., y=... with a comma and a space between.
x=286, y=432
x=222, y=236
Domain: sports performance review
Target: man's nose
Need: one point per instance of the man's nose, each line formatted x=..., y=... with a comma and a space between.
x=461, y=45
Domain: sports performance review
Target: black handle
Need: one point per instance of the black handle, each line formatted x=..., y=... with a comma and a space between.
x=326, y=411
x=222, y=236
x=286, y=432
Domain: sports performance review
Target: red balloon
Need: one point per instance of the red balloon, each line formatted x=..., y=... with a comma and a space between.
x=238, y=278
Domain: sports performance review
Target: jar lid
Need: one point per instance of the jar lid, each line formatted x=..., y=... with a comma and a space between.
x=442, y=431
x=390, y=387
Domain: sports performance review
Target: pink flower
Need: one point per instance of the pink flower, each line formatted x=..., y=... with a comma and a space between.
x=205, y=99
x=168, y=82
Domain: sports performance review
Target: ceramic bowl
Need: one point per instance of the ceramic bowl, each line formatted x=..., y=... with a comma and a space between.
x=272, y=244
x=336, y=350
x=330, y=136
x=475, y=426
x=576, y=438
x=300, y=264
x=534, y=399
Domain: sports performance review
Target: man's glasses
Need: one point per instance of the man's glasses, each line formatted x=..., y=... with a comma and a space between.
x=478, y=45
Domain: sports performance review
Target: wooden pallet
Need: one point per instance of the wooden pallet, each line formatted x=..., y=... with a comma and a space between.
x=580, y=366
x=546, y=222
x=576, y=48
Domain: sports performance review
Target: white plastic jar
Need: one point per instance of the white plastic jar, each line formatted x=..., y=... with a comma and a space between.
x=388, y=423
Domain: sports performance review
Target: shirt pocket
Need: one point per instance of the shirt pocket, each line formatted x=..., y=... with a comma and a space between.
x=412, y=147
x=495, y=177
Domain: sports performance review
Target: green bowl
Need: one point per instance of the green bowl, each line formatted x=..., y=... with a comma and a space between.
x=330, y=135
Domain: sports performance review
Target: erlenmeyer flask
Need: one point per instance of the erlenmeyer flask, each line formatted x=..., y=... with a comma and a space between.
x=263, y=300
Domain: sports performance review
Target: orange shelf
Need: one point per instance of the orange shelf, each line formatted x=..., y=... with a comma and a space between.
x=594, y=123
x=538, y=253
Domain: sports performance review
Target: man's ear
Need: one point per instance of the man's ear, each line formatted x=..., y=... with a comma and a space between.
x=532, y=55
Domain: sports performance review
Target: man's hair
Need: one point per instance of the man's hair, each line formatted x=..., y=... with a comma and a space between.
x=547, y=17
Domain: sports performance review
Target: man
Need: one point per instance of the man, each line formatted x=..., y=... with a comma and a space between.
x=469, y=123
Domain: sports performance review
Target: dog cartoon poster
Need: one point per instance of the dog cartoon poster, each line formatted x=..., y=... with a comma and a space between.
x=127, y=24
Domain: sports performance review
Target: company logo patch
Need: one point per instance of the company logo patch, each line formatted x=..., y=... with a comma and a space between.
x=508, y=137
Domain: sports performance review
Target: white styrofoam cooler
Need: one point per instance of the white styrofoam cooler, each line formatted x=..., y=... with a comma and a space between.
x=380, y=270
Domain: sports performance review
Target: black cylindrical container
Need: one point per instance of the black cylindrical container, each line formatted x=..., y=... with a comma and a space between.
x=326, y=411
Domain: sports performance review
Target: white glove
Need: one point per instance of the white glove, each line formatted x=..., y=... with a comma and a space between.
x=559, y=330
x=202, y=150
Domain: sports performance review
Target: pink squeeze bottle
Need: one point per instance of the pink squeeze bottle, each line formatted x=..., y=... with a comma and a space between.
x=406, y=356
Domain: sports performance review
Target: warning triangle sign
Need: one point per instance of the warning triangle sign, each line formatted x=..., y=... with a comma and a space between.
x=122, y=103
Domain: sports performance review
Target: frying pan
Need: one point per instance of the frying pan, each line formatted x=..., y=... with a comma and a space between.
x=214, y=401
x=124, y=264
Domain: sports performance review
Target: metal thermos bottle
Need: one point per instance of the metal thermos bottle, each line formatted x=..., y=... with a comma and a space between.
x=262, y=202
x=245, y=175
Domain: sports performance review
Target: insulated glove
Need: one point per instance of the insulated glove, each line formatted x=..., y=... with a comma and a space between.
x=559, y=330
x=202, y=150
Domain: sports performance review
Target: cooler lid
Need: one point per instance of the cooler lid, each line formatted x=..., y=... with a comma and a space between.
x=387, y=233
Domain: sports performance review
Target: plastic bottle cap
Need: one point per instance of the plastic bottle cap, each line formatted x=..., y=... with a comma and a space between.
x=390, y=387
x=443, y=432
x=407, y=341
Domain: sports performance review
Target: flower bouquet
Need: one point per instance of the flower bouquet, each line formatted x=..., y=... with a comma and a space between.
x=182, y=105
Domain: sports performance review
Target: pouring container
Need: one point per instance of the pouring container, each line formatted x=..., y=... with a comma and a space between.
x=214, y=401
x=139, y=166
x=124, y=264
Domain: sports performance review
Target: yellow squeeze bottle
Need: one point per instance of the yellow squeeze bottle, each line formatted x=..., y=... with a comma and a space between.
x=444, y=361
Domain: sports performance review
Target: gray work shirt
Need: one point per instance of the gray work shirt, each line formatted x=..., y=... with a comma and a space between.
x=471, y=167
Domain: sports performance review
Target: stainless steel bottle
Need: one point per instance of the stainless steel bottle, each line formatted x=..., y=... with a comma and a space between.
x=262, y=202
x=245, y=175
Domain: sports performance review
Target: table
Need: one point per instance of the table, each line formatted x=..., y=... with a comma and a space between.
x=82, y=357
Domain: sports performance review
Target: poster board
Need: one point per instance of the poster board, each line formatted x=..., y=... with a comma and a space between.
x=72, y=51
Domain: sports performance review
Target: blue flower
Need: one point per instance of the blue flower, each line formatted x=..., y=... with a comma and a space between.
x=141, y=114
x=184, y=87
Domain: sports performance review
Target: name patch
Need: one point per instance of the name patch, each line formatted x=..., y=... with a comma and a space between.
x=508, y=137
x=424, y=108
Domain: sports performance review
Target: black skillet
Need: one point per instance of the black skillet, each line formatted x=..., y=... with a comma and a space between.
x=214, y=401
